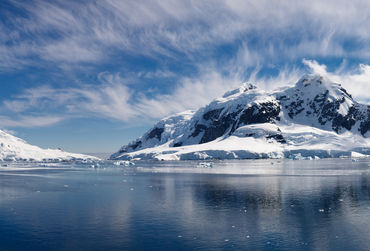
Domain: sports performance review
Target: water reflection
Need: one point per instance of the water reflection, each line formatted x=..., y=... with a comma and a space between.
x=292, y=205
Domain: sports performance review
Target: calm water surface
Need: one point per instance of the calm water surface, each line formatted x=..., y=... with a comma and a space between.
x=235, y=205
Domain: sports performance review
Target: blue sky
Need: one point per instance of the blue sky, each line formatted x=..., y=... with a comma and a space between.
x=89, y=76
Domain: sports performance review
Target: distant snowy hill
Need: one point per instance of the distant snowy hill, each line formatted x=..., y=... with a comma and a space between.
x=314, y=118
x=13, y=148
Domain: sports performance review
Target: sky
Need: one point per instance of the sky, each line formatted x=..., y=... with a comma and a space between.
x=90, y=76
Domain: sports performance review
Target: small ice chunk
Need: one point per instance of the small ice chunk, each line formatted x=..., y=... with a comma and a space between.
x=124, y=163
x=206, y=164
x=358, y=155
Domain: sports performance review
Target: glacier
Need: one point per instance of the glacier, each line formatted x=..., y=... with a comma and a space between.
x=315, y=118
x=15, y=149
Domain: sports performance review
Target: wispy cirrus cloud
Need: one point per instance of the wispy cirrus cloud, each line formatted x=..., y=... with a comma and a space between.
x=203, y=48
x=29, y=121
x=356, y=80
x=91, y=32
x=114, y=99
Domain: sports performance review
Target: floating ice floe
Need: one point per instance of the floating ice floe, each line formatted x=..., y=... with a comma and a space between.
x=124, y=163
x=205, y=164
x=297, y=156
x=358, y=155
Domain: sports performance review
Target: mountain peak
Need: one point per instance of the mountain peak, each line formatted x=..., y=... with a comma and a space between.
x=316, y=80
x=241, y=89
x=313, y=84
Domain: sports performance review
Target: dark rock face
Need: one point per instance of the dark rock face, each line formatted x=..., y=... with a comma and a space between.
x=262, y=113
x=365, y=124
x=325, y=110
x=212, y=114
x=177, y=144
x=219, y=124
x=198, y=129
x=130, y=147
x=136, y=144
x=218, y=127
x=278, y=137
x=156, y=132
x=347, y=121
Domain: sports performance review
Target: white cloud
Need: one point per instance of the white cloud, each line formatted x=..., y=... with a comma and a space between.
x=356, y=81
x=29, y=121
x=280, y=30
x=114, y=99
x=191, y=94
x=315, y=67
x=261, y=34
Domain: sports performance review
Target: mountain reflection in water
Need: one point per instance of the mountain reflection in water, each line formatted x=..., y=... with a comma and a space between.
x=257, y=205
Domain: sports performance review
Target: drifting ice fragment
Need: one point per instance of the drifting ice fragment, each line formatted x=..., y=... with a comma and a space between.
x=205, y=164
x=124, y=163
x=358, y=155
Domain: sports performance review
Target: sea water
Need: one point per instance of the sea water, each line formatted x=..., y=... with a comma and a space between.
x=220, y=205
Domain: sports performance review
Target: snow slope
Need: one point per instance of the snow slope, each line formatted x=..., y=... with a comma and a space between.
x=13, y=148
x=314, y=118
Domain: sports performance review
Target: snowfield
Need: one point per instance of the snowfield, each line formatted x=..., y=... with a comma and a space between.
x=314, y=119
x=304, y=140
x=14, y=149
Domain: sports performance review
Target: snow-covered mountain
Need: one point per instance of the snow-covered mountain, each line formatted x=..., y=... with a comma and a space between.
x=316, y=117
x=13, y=148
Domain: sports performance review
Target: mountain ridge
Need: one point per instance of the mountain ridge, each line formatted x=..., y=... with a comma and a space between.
x=314, y=103
x=14, y=149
